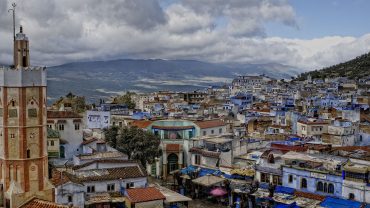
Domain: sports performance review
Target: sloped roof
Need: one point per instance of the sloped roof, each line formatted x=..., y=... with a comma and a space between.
x=210, y=124
x=142, y=124
x=62, y=114
x=33, y=203
x=137, y=195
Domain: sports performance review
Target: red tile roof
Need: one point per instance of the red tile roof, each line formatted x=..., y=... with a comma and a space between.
x=309, y=195
x=89, y=140
x=137, y=195
x=141, y=124
x=209, y=124
x=38, y=203
x=294, y=148
x=63, y=114
x=99, y=175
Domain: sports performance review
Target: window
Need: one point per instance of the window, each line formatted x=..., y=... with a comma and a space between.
x=12, y=136
x=331, y=188
x=32, y=113
x=110, y=187
x=304, y=183
x=90, y=189
x=265, y=178
x=190, y=134
x=77, y=126
x=204, y=133
x=13, y=113
x=70, y=199
x=130, y=185
x=212, y=131
x=290, y=179
x=197, y=160
x=320, y=186
x=51, y=143
x=61, y=127
x=28, y=153
x=351, y=196
x=220, y=131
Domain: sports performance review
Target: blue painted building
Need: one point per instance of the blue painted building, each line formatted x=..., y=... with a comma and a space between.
x=242, y=100
x=312, y=180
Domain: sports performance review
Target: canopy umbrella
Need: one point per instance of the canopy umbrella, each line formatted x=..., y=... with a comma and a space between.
x=218, y=192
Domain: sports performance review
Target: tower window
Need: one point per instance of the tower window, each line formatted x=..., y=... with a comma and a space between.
x=12, y=136
x=32, y=113
x=13, y=113
x=28, y=153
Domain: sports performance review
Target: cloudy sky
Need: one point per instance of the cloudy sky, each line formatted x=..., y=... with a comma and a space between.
x=306, y=34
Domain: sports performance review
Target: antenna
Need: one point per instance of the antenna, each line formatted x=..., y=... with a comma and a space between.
x=13, y=10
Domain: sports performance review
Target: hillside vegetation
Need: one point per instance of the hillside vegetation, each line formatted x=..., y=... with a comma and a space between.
x=354, y=69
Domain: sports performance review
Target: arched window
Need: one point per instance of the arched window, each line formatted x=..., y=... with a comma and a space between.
x=271, y=158
x=304, y=183
x=351, y=196
x=320, y=186
x=331, y=188
x=290, y=179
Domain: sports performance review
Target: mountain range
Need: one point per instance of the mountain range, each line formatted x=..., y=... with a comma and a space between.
x=99, y=79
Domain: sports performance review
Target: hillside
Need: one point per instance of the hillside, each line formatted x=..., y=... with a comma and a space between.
x=101, y=79
x=354, y=69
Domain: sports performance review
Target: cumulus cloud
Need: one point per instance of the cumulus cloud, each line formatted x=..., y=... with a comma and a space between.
x=207, y=30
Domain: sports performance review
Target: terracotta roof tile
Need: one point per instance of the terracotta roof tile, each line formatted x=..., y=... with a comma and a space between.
x=209, y=124
x=137, y=195
x=99, y=175
x=88, y=141
x=38, y=203
x=141, y=124
x=63, y=114
x=309, y=195
x=294, y=148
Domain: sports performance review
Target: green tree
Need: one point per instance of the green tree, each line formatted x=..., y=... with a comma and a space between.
x=136, y=143
x=125, y=99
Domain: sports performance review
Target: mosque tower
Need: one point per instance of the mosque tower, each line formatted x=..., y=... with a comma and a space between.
x=23, y=150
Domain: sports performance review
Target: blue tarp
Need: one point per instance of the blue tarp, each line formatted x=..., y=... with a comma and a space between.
x=188, y=170
x=284, y=190
x=293, y=205
x=331, y=202
x=206, y=171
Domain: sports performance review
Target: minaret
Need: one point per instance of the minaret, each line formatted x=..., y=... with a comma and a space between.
x=21, y=50
x=23, y=150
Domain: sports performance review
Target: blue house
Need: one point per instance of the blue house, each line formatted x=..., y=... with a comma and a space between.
x=303, y=178
x=242, y=100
